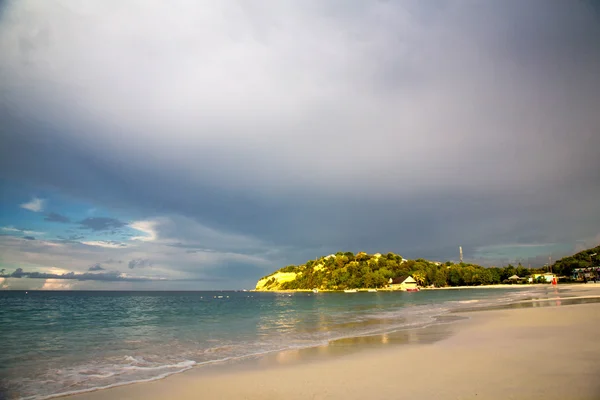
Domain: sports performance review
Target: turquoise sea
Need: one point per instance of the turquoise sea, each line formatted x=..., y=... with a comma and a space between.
x=57, y=342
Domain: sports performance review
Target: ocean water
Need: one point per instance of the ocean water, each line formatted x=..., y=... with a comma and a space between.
x=56, y=342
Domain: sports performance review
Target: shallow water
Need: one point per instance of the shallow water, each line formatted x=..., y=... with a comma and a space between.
x=68, y=342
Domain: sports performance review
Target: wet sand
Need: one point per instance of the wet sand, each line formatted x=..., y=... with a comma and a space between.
x=548, y=349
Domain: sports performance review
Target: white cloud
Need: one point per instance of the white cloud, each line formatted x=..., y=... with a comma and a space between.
x=18, y=230
x=35, y=205
x=57, y=284
x=49, y=243
x=184, y=232
x=148, y=227
x=57, y=271
x=105, y=243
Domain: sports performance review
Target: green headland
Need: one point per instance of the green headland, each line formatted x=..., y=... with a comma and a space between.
x=342, y=271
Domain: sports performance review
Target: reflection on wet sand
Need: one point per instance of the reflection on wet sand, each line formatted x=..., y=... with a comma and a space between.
x=351, y=345
x=551, y=300
x=325, y=324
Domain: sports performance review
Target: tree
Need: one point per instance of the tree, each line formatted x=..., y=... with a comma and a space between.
x=521, y=270
x=495, y=275
x=455, y=277
x=484, y=276
x=341, y=261
x=380, y=278
x=507, y=272
x=440, y=278
x=337, y=277
x=420, y=277
x=369, y=279
x=385, y=273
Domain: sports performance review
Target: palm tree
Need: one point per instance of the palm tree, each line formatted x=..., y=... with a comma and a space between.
x=419, y=276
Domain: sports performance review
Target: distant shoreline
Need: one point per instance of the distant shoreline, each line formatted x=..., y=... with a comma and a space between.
x=365, y=290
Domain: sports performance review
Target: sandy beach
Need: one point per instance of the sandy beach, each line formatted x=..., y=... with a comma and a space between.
x=541, y=350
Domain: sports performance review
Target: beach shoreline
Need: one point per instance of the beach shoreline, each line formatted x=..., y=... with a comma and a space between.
x=503, y=340
x=472, y=287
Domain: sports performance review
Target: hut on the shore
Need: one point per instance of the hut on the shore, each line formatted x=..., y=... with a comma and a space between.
x=404, y=282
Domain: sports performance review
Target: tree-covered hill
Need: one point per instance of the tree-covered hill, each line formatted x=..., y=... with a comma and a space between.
x=349, y=271
x=583, y=259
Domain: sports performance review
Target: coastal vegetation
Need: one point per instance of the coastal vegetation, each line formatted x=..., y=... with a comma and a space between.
x=584, y=259
x=347, y=270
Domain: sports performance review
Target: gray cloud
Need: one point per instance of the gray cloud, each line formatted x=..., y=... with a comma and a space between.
x=197, y=267
x=29, y=237
x=104, y=276
x=415, y=127
x=70, y=238
x=101, y=223
x=55, y=217
x=240, y=271
x=96, y=267
x=139, y=263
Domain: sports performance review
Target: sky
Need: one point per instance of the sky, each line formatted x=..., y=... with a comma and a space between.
x=190, y=145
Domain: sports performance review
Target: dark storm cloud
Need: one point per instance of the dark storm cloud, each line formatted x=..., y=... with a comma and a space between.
x=103, y=276
x=55, y=217
x=139, y=263
x=96, y=267
x=415, y=127
x=101, y=223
